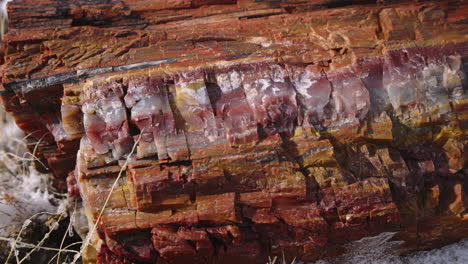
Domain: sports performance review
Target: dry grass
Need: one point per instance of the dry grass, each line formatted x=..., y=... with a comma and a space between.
x=32, y=215
x=275, y=260
x=16, y=165
x=93, y=230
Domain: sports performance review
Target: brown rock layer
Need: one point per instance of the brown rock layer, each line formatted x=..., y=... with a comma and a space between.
x=227, y=131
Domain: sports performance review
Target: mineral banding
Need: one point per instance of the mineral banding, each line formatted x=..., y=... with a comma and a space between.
x=229, y=131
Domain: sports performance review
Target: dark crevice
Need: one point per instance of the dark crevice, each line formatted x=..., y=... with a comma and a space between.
x=214, y=94
x=261, y=15
x=340, y=51
x=210, y=39
x=177, y=163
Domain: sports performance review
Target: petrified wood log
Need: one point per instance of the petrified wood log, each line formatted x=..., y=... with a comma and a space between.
x=238, y=130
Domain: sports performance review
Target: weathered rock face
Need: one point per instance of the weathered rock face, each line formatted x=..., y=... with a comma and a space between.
x=227, y=131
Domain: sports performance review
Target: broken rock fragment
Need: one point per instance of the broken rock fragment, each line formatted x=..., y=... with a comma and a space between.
x=230, y=131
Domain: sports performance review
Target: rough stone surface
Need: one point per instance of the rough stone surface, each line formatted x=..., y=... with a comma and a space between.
x=257, y=127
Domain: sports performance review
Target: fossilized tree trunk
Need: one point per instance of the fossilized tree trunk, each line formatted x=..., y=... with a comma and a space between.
x=259, y=127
